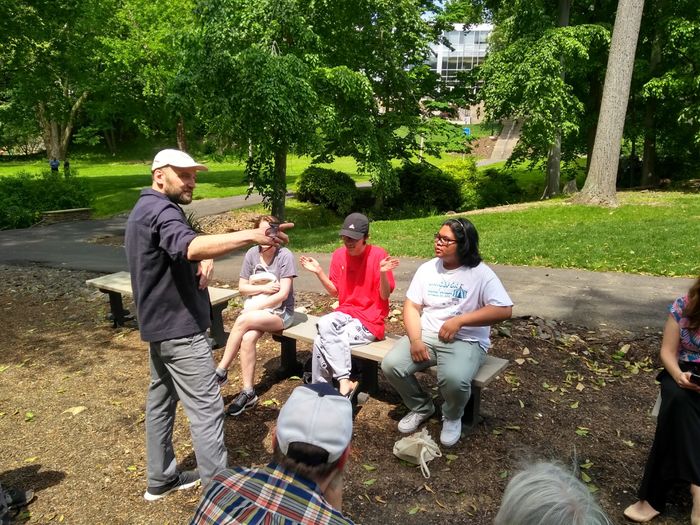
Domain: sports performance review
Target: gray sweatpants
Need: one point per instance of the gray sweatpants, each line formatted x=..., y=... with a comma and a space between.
x=183, y=369
x=331, y=353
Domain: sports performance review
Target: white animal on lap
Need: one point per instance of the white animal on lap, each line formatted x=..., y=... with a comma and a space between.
x=255, y=302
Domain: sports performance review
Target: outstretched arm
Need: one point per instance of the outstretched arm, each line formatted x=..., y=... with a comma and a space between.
x=212, y=246
x=386, y=265
x=312, y=265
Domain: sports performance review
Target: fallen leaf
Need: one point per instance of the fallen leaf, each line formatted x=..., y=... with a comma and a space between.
x=379, y=500
x=580, y=387
x=451, y=457
x=414, y=510
x=585, y=477
x=31, y=460
x=503, y=474
x=369, y=482
x=427, y=487
x=369, y=468
x=440, y=504
x=270, y=402
x=522, y=405
x=588, y=464
x=526, y=351
x=628, y=443
x=29, y=416
x=512, y=427
x=131, y=468
x=582, y=431
x=4, y=367
x=574, y=404
x=520, y=361
x=74, y=410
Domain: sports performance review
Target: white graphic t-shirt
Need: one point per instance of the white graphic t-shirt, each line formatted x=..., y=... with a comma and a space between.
x=444, y=294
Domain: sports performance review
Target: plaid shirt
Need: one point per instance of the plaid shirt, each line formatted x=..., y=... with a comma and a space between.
x=269, y=495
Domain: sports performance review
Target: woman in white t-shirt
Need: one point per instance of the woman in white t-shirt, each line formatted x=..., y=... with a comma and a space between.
x=267, y=275
x=450, y=305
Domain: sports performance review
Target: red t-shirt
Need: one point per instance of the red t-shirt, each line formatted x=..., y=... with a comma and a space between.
x=357, y=282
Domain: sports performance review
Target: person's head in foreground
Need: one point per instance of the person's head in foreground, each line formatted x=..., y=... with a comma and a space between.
x=546, y=494
x=457, y=244
x=354, y=233
x=313, y=433
x=174, y=173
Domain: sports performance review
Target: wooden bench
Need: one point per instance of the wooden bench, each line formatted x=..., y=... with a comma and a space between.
x=371, y=355
x=117, y=284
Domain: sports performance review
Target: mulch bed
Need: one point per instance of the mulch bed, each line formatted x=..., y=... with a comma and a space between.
x=72, y=396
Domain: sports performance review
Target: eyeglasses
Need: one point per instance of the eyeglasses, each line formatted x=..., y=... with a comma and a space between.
x=445, y=241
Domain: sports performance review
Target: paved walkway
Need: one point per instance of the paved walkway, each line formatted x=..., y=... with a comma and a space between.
x=577, y=296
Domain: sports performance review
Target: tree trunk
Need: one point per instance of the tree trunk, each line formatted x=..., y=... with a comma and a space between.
x=280, y=183
x=553, y=168
x=181, y=134
x=553, y=186
x=110, y=140
x=599, y=188
x=649, y=176
x=57, y=135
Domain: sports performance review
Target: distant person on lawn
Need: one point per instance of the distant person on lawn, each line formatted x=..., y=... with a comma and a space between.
x=304, y=482
x=361, y=278
x=450, y=305
x=267, y=276
x=674, y=456
x=170, y=267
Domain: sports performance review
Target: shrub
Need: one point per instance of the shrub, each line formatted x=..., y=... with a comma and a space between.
x=424, y=188
x=25, y=196
x=331, y=189
x=482, y=189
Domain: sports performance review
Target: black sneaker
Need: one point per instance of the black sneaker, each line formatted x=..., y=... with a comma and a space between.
x=221, y=376
x=185, y=480
x=15, y=498
x=242, y=403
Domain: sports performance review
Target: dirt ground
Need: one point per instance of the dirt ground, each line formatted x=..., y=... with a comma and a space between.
x=72, y=396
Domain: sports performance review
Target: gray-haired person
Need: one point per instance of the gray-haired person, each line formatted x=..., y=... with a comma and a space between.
x=547, y=494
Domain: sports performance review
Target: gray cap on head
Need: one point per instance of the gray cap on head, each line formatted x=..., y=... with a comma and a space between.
x=355, y=226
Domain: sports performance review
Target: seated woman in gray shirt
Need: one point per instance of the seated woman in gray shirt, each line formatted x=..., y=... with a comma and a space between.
x=266, y=278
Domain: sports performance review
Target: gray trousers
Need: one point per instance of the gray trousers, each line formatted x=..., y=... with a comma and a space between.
x=457, y=364
x=183, y=369
x=331, y=352
x=3, y=504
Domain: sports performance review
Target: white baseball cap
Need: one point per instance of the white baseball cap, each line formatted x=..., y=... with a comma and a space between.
x=316, y=415
x=176, y=158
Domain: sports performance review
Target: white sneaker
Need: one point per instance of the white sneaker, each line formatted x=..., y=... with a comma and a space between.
x=411, y=421
x=451, y=431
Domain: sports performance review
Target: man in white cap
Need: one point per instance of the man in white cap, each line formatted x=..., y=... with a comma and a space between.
x=303, y=483
x=170, y=267
x=361, y=277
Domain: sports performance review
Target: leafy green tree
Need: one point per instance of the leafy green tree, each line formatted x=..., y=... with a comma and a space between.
x=50, y=59
x=539, y=69
x=665, y=100
x=319, y=78
x=144, y=57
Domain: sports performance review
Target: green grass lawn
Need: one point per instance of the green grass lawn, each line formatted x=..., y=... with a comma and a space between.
x=651, y=233
x=116, y=185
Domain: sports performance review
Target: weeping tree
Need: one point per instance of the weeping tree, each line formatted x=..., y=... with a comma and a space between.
x=318, y=78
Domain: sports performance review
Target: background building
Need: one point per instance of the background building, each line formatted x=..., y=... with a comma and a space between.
x=469, y=47
x=469, y=43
